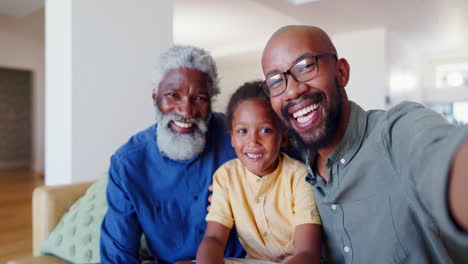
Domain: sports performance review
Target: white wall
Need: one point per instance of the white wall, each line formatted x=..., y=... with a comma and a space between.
x=234, y=70
x=100, y=55
x=22, y=47
x=365, y=52
x=403, y=80
x=58, y=127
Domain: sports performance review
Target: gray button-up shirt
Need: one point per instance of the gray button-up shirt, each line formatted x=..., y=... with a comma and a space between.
x=386, y=196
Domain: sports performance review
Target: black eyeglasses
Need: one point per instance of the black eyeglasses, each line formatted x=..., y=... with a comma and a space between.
x=302, y=71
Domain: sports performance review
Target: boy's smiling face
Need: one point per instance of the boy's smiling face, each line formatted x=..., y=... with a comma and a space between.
x=256, y=137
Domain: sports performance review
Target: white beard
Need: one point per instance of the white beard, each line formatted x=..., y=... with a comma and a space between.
x=180, y=146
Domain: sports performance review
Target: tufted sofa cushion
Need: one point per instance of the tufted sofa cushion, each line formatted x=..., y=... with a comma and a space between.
x=76, y=237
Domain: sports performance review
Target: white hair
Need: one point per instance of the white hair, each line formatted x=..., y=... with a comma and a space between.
x=186, y=57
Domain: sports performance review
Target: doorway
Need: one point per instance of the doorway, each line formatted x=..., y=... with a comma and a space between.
x=15, y=119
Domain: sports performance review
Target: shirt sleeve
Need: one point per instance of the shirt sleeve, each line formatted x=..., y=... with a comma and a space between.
x=305, y=207
x=422, y=145
x=120, y=229
x=220, y=209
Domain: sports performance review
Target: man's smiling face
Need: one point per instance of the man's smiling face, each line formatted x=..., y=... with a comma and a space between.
x=186, y=93
x=183, y=109
x=311, y=110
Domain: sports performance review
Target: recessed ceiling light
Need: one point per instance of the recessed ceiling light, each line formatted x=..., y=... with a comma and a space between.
x=301, y=2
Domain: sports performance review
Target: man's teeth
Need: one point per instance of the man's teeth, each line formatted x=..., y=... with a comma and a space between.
x=305, y=118
x=183, y=124
x=254, y=156
x=305, y=111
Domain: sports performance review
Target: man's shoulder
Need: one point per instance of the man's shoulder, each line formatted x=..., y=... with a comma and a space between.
x=218, y=138
x=404, y=114
x=138, y=142
x=219, y=121
x=406, y=107
x=412, y=116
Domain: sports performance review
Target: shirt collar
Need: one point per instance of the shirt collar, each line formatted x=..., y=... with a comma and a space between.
x=254, y=180
x=352, y=138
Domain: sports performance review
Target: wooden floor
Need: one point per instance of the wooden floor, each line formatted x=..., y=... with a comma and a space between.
x=16, y=188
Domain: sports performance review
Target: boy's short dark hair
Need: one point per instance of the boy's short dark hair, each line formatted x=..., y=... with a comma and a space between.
x=247, y=91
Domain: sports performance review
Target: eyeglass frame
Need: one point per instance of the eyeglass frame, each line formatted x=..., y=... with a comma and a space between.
x=265, y=88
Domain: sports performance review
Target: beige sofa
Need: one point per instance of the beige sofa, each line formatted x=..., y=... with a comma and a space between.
x=50, y=203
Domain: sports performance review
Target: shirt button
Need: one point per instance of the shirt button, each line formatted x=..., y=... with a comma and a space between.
x=265, y=233
x=200, y=231
x=333, y=207
x=342, y=161
x=346, y=249
x=257, y=201
x=258, y=180
x=195, y=197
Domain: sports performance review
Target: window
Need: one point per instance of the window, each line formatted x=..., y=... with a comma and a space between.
x=456, y=112
x=452, y=75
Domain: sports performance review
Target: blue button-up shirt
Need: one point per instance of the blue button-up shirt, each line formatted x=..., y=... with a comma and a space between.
x=385, y=200
x=163, y=198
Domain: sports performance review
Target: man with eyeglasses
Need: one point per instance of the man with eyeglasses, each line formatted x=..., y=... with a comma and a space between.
x=390, y=185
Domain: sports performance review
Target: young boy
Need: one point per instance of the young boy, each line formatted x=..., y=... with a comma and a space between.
x=263, y=192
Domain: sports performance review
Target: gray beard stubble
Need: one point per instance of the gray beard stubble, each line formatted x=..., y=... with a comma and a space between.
x=178, y=146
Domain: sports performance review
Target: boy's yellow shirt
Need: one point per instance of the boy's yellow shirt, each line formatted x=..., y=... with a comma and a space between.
x=265, y=210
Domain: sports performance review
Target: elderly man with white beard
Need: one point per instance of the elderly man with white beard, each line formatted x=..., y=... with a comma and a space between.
x=158, y=180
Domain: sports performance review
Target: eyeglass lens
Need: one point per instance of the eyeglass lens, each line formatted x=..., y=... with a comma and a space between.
x=302, y=71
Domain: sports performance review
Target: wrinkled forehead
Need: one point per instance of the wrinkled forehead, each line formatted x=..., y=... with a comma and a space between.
x=283, y=50
x=188, y=79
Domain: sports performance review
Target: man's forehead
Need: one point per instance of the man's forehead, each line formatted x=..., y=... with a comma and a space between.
x=186, y=74
x=289, y=43
x=281, y=55
x=189, y=76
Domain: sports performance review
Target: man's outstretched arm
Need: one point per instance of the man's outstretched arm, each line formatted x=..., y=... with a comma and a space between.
x=458, y=187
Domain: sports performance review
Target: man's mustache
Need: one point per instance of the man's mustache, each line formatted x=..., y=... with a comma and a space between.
x=175, y=117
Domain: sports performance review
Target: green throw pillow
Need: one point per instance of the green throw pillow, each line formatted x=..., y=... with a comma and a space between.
x=76, y=237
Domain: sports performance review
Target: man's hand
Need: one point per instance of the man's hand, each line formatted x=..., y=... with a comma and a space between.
x=210, y=188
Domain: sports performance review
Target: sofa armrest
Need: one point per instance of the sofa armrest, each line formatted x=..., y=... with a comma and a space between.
x=50, y=203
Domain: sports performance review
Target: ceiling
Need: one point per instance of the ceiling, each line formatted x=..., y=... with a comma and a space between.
x=226, y=26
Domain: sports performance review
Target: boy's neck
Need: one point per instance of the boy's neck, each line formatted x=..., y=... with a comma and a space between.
x=275, y=166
